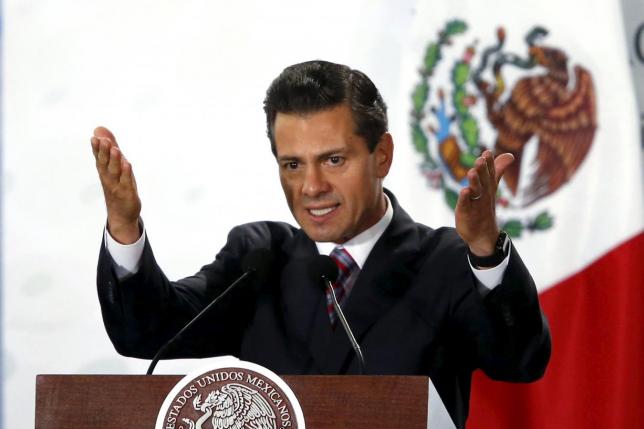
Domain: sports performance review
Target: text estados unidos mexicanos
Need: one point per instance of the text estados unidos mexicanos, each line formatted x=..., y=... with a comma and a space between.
x=218, y=377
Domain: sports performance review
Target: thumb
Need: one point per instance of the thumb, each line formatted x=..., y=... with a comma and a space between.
x=501, y=163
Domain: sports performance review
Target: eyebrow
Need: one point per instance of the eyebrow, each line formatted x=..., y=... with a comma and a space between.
x=322, y=155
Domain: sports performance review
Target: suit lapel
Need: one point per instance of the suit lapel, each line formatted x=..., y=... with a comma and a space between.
x=386, y=275
x=301, y=297
x=304, y=301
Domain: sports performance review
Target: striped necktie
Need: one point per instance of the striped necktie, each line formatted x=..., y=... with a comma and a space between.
x=342, y=286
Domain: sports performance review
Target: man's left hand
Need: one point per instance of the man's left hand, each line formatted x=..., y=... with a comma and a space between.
x=475, y=209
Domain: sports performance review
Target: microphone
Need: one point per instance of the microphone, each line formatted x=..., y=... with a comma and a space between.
x=257, y=263
x=323, y=267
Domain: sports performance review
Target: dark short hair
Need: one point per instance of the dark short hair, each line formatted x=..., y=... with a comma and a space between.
x=314, y=86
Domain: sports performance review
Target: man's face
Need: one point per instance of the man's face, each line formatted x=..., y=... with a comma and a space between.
x=332, y=183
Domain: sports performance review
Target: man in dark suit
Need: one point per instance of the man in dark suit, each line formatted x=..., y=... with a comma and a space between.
x=420, y=301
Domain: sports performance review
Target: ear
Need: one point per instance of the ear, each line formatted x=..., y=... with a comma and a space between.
x=384, y=154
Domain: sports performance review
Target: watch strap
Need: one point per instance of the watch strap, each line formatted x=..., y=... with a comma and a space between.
x=501, y=251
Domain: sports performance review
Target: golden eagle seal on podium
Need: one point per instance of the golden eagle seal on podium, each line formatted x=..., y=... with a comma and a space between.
x=234, y=406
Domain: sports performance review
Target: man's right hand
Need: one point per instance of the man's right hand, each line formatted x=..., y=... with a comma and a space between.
x=119, y=187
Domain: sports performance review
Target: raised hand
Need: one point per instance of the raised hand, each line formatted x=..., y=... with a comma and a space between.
x=119, y=187
x=475, y=209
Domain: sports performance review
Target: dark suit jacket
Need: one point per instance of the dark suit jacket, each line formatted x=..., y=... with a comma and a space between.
x=414, y=309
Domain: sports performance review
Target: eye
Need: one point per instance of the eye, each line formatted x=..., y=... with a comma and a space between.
x=291, y=165
x=336, y=160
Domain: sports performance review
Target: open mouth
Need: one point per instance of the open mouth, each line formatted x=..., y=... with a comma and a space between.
x=323, y=211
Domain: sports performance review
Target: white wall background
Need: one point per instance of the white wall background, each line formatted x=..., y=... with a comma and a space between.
x=181, y=84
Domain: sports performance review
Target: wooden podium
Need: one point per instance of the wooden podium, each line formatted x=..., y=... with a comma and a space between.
x=133, y=401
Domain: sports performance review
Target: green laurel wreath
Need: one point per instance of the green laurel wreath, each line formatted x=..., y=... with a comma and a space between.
x=467, y=125
x=420, y=95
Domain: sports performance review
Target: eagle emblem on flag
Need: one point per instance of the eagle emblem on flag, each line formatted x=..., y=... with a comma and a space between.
x=532, y=104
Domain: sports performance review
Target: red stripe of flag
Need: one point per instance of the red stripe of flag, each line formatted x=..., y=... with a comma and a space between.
x=595, y=378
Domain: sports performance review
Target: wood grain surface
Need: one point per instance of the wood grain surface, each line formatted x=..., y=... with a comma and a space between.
x=133, y=401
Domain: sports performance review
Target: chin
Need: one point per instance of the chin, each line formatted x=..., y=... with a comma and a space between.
x=322, y=236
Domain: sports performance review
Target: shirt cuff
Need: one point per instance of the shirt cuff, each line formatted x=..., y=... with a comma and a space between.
x=491, y=277
x=126, y=257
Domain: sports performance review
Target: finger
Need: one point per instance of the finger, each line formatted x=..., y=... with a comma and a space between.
x=480, y=165
x=489, y=162
x=501, y=164
x=465, y=198
x=95, y=143
x=127, y=177
x=103, y=132
x=103, y=157
x=114, y=165
x=474, y=184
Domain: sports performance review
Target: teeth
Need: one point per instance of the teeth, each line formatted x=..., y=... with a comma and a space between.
x=321, y=212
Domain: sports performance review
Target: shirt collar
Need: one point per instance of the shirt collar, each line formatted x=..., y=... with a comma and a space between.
x=360, y=246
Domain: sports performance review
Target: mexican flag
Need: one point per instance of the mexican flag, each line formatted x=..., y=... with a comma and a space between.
x=550, y=82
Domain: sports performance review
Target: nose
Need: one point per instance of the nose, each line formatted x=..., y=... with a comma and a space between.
x=315, y=184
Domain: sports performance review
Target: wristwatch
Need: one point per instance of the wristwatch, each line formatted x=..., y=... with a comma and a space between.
x=501, y=251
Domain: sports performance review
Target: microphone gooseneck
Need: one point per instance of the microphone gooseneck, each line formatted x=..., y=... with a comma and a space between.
x=323, y=267
x=257, y=263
